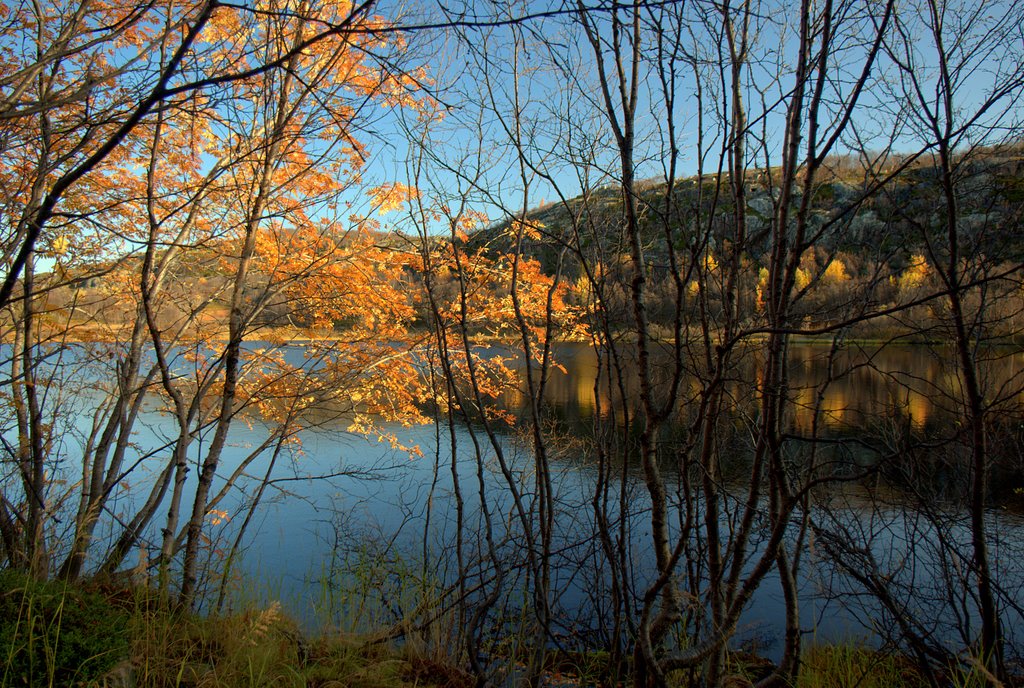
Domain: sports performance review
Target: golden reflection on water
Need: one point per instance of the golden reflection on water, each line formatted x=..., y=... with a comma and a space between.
x=585, y=398
x=912, y=385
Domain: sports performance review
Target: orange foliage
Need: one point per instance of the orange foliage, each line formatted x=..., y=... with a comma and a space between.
x=481, y=298
x=238, y=182
x=392, y=196
x=252, y=182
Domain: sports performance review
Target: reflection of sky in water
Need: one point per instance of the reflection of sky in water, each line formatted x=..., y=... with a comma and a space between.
x=386, y=518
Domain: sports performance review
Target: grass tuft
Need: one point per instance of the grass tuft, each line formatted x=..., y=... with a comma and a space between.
x=849, y=665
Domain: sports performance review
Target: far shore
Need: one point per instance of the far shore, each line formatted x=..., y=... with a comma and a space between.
x=293, y=336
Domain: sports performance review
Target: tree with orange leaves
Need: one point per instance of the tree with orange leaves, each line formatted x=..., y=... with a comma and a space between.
x=89, y=75
x=210, y=142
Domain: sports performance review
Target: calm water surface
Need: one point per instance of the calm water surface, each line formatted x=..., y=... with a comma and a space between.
x=385, y=518
x=319, y=536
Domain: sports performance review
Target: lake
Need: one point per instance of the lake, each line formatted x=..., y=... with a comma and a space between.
x=357, y=534
x=387, y=530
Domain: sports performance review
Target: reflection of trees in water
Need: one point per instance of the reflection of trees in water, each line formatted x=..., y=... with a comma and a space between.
x=892, y=407
x=891, y=520
x=899, y=564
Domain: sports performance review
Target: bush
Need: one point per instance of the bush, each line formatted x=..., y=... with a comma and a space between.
x=53, y=634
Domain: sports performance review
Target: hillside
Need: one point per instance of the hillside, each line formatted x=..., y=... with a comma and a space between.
x=874, y=235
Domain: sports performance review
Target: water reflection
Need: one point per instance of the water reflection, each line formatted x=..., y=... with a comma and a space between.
x=894, y=408
x=910, y=386
x=382, y=509
x=384, y=513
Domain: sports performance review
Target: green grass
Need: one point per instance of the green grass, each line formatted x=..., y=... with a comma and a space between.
x=54, y=635
x=854, y=666
x=100, y=634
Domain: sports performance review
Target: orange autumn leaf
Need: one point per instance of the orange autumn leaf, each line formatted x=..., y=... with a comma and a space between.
x=388, y=197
